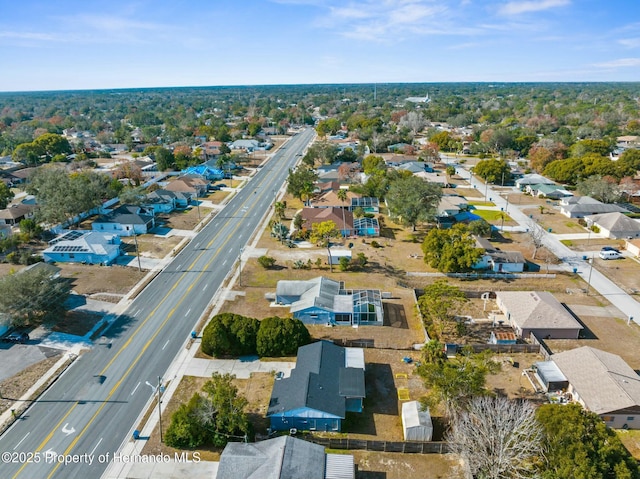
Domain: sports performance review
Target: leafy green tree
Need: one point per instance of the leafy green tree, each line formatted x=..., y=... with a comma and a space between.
x=212, y=418
x=51, y=145
x=62, y=196
x=230, y=334
x=451, y=250
x=281, y=336
x=361, y=260
x=584, y=147
x=301, y=182
x=27, y=153
x=493, y=170
x=454, y=382
x=439, y=303
x=164, y=159
x=480, y=228
x=30, y=228
x=224, y=415
x=413, y=200
x=580, y=446
x=373, y=163
x=565, y=171
x=322, y=234
x=6, y=195
x=32, y=297
x=185, y=431
x=629, y=163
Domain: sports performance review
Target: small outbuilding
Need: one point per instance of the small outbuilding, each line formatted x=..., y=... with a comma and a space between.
x=416, y=422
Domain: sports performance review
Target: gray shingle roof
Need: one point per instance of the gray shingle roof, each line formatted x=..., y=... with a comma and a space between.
x=604, y=381
x=317, y=382
x=537, y=310
x=283, y=457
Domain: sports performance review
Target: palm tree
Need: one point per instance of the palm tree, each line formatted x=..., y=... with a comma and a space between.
x=342, y=196
x=279, y=209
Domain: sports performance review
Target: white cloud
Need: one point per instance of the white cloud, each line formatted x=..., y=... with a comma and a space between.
x=620, y=63
x=630, y=42
x=519, y=7
x=46, y=37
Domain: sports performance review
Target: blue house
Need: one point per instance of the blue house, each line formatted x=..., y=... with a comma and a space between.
x=328, y=381
x=205, y=171
x=162, y=201
x=83, y=247
x=324, y=301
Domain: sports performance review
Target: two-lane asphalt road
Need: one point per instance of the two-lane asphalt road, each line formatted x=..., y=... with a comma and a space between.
x=84, y=417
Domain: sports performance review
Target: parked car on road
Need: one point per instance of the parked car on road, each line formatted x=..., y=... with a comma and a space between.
x=16, y=337
x=610, y=254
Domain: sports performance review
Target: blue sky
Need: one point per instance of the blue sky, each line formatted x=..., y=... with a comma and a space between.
x=74, y=44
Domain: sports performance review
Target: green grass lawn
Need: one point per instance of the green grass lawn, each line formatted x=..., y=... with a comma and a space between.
x=491, y=215
x=482, y=203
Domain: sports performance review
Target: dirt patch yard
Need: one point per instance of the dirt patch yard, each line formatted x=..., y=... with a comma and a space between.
x=387, y=465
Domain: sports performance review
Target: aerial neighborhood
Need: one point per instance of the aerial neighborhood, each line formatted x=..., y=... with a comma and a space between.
x=347, y=283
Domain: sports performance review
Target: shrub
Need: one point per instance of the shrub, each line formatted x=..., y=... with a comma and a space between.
x=361, y=260
x=281, y=336
x=230, y=334
x=344, y=263
x=266, y=261
x=375, y=244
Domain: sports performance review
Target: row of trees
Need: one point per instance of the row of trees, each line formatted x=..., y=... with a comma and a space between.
x=235, y=335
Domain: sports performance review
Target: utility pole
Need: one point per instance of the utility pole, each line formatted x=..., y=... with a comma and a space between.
x=135, y=239
x=590, y=271
x=160, y=407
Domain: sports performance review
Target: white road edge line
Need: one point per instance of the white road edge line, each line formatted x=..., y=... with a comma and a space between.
x=25, y=436
x=94, y=449
x=135, y=389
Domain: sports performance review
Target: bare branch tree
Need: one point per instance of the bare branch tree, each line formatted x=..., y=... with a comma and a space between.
x=536, y=236
x=497, y=438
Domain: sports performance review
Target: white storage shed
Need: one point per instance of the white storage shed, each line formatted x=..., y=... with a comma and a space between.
x=416, y=422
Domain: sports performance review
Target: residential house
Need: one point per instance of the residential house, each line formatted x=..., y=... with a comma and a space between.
x=497, y=260
x=602, y=383
x=125, y=220
x=581, y=206
x=195, y=187
x=330, y=199
x=327, y=186
x=344, y=220
x=283, y=457
x=553, y=192
x=211, y=150
x=532, y=179
x=162, y=201
x=328, y=381
x=15, y=213
x=325, y=301
x=342, y=217
x=78, y=246
x=416, y=167
x=433, y=177
x=615, y=225
x=248, y=145
x=204, y=171
x=451, y=205
x=538, y=313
